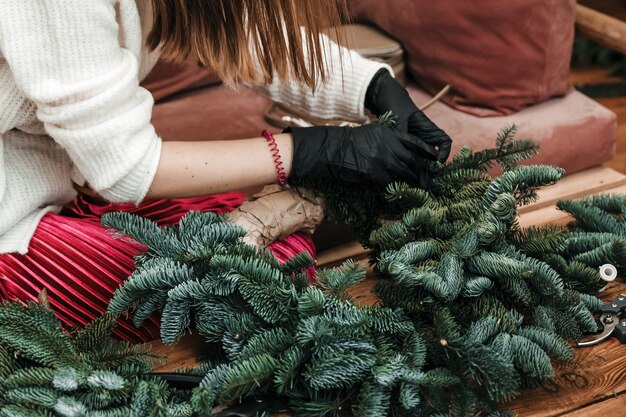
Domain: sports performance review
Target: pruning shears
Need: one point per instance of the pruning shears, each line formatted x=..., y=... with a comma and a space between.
x=612, y=322
x=249, y=407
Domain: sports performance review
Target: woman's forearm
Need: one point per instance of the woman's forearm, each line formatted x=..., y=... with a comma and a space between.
x=189, y=169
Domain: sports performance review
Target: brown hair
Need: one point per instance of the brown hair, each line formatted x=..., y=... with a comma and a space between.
x=226, y=35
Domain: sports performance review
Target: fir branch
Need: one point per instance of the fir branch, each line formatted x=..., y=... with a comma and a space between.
x=95, y=376
x=537, y=241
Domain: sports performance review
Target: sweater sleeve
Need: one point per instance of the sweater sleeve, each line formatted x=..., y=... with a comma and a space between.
x=342, y=96
x=66, y=57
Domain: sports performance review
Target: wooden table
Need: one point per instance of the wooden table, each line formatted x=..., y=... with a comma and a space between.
x=594, y=384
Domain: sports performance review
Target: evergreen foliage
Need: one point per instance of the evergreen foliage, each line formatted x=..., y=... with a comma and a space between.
x=472, y=307
x=599, y=231
x=274, y=333
x=471, y=301
x=48, y=371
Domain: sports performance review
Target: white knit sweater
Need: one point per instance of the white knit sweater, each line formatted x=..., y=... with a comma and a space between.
x=71, y=108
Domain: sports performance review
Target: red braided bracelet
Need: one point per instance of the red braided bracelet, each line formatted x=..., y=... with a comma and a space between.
x=278, y=163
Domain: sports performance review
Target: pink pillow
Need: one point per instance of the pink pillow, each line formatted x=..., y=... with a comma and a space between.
x=167, y=79
x=499, y=56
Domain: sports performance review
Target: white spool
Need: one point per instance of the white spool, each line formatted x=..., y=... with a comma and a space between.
x=608, y=272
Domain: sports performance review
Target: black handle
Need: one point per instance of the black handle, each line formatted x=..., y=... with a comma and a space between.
x=617, y=306
x=179, y=380
x=249, y=407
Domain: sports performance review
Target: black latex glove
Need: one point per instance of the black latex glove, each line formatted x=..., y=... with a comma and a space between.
x=386, y=94
x=249, y=407
x=372, y=153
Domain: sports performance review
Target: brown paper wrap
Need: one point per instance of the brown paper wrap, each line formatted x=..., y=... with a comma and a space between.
x=276, y=212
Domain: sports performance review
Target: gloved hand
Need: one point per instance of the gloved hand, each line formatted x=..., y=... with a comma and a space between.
x=386, y=94
x=372, y=153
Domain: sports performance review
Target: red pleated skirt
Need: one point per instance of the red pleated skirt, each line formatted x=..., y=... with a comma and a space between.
x=80, y=264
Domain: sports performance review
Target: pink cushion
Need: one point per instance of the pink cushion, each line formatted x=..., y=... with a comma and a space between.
x=499, y=56
x=574, y=132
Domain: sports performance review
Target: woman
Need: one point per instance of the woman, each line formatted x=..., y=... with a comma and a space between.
x=72, y=113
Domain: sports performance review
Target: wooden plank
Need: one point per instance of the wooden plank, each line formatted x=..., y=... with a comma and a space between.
x=615, y=8
x=548, y=215
x=181, y=356
x=590, y=181
x=337, y=254
x=583, y=75
x=613, y=406
x=601, y=27
x=552, y=215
